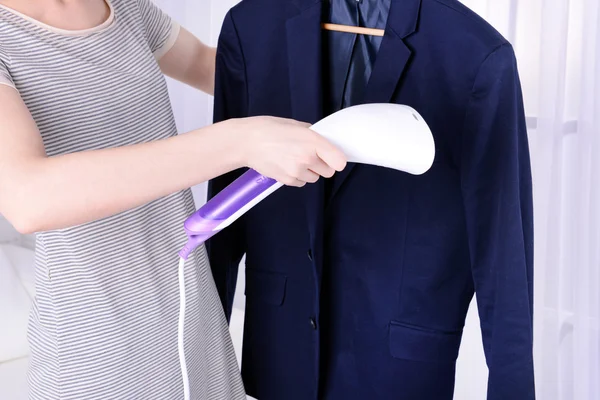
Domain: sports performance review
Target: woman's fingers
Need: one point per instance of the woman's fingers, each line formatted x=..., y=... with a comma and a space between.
x=331, y=155
x=308, y=176
x=320, y=168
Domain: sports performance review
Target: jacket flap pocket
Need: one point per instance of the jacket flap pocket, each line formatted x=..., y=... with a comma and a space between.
x=268, y=287
x=420, y=344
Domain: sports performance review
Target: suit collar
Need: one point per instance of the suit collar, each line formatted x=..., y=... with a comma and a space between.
x=304, y=39
x=305, y=61
x=302, y=5
x=305, y=55
x=404, y=17
x=402, y=22
x=392, y=59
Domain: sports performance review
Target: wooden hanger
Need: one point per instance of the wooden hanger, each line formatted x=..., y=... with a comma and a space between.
x=353, y=29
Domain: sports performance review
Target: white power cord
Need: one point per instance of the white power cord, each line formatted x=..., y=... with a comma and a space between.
x=180, y=332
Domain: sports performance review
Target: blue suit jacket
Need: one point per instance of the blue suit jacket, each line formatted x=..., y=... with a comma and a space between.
x=363, y=294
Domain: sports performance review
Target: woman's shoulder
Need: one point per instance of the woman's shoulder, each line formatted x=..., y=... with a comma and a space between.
x=14, y=28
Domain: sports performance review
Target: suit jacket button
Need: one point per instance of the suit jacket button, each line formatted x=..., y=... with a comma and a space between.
x=310, y=255
x=313, y=323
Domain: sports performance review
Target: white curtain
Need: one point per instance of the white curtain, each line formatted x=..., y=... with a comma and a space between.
x=558, y=48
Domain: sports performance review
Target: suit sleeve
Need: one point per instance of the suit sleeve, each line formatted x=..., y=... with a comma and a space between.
x=497, y=191
x=226, y=249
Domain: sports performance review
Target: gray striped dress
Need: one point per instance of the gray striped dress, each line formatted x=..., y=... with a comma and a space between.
x=104, y=320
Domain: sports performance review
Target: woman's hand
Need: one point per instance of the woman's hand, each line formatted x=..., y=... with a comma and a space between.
x=287, y=151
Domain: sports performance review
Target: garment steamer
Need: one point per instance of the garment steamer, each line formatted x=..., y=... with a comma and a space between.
x=385, y=135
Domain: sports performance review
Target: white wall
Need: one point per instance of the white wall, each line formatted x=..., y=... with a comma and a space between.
x=9, y=235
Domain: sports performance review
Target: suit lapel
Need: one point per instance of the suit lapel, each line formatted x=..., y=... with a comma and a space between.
x=392, y=59
x=304, y=39
x=305, y=64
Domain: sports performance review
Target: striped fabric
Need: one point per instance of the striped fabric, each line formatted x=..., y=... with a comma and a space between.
x=104, y=321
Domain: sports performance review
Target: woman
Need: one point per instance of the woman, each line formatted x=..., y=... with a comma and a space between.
x=89, y=156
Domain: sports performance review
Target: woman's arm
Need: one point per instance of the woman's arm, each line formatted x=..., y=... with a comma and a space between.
x=190, y=61
x=40, y=193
